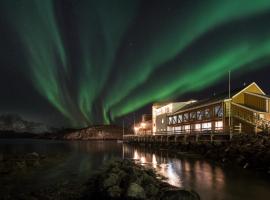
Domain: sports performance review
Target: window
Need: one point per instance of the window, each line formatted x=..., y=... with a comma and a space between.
x=186, y=128
x=207, y=113
x=193, y=116
x=197, y=127
x=177, y=129
x=174, y=119
x=170, y=120
x=185, y=118
x=219, y=125
x=162, y=120
x=180, y=118
x=206, y=126
x=169, y=128
x=218, y=111
x=199, y=115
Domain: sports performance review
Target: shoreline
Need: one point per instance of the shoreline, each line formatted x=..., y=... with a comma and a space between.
x=247, y=151
x=118, y=179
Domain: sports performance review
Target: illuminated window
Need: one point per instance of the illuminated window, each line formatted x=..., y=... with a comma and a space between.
x=218, y=111
x=193, y=116
x=169, y=128
x=174, y=119
x=219, y=125
x=197, y=127
x=206, y=126
x=207, y=113
x=185, y=118
x=186, y=128
x=177, y=129
x=199, y=115
x=170, y=120
x=180, y=118
x=162, y=121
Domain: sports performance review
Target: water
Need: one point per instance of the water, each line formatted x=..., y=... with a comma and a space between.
x=77, y=160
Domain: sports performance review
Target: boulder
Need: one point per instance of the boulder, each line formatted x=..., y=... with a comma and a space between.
x=135, y=191
x=114, y=191
x=21, y=164
x=180, y=195
x=111, y=180
x=151, y=190
x=33, y=156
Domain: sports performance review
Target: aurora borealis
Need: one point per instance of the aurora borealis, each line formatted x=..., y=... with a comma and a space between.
x=93, y=61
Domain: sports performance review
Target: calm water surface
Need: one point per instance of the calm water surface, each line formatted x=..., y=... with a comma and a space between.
x=79, y=159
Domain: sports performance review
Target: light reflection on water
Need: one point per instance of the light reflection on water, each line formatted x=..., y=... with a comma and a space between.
x=176, y=170
x=81, y=158
x=211, y=181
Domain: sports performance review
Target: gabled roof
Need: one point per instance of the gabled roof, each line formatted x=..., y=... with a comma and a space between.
x=253, y=83
x=214, y=99
x=260, y=95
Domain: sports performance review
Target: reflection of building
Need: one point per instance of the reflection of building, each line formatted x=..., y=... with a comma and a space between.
x=160, y=111
x=145, y=126
x=246, y=111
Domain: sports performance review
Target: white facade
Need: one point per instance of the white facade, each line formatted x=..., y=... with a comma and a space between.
x=160, y=112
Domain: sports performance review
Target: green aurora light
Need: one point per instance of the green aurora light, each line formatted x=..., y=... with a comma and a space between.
x=129, y=57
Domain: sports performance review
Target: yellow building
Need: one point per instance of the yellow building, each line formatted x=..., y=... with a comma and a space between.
x=248, y=111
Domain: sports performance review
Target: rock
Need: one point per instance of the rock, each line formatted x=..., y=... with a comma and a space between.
x=136, y=191
x=111, y=181
x=151, y=190
x=180, y=195
x=114, y=191
x=33, y=155
x=125, y=180
x=21, y=164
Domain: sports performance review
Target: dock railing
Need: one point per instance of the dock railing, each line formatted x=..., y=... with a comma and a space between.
x=179, y=137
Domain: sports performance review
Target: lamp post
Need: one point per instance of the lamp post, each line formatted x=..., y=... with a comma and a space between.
x=123, y=127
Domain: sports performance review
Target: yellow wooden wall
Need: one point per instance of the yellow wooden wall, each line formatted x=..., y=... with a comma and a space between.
x=240, y=98
x=255, y=102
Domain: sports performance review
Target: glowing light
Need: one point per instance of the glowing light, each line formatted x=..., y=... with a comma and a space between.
x=154, y=161
x=143, y=125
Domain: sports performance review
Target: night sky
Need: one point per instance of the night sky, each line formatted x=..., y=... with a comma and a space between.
x=76, y=63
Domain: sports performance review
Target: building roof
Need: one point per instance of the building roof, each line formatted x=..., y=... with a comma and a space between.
x=161, y=104
x=215, y=98
x=260, y=95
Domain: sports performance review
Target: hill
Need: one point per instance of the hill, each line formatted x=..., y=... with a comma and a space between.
x=97, y=132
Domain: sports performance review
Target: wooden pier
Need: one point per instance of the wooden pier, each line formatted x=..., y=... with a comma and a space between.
x=169, y=137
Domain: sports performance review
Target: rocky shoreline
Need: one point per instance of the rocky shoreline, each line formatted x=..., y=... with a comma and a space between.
x=126, y=180
x=245, y=150
x=119, y=179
